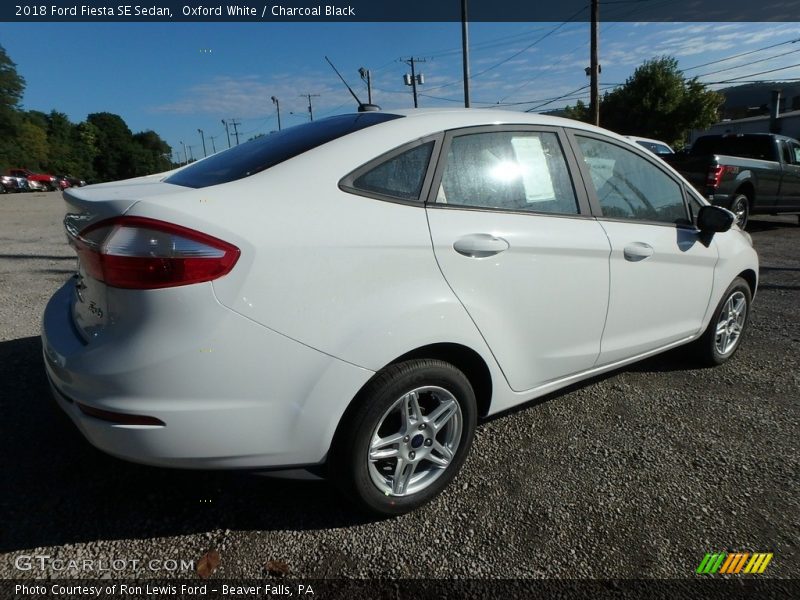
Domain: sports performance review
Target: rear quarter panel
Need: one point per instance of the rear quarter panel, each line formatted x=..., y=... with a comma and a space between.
x=350, y=276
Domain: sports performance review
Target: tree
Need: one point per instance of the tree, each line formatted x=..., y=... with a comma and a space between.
x=115, y=149
x=32, y=150
x=102, y=148
x=579, y=112
x=153, y=153
x=12, y=87
x=657, y=102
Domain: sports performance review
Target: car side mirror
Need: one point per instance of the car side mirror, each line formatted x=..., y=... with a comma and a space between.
x=714, y=219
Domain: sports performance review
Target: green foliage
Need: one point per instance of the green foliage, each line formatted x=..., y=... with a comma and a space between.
x=32, y=149
x=579, y=112
x=657, y=102
x=154, y=153
x=102, y=148
x=11, y=84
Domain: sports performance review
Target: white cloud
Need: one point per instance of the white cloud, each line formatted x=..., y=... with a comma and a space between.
x=250, y=96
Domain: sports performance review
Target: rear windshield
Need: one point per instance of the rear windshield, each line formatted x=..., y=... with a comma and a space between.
x=264, y=152
x=759, y=147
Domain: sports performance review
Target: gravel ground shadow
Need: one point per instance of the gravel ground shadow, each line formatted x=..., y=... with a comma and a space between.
x=59, y=489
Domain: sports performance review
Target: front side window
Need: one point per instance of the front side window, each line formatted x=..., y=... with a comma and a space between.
x=629, y=186
x=400, y=177
x=511, y=170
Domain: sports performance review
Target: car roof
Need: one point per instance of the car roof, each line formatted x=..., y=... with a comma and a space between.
x=434, y=120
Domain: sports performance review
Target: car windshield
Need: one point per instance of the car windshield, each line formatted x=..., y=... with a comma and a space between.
x=269, y=150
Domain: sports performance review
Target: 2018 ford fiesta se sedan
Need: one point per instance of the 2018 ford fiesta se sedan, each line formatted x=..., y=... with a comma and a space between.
x=352, y=294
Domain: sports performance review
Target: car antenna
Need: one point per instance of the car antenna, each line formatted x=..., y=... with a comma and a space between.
x=361, y=106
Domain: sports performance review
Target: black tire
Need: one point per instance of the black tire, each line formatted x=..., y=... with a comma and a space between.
x=740, y=206
x=708, y=346
x=359, y=477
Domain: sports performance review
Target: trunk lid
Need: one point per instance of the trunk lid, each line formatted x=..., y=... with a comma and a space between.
x=86, y=206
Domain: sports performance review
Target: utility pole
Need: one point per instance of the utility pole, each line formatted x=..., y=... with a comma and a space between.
x=235, y=124
x=213, y=147
x=367, y=77
x=594, y=103
x=414, y=79
x=465, y=51
x=310, y=109
x=185, y=159
x=227, y=132
x=277, y=104
x=191, y=156
x=203, y=137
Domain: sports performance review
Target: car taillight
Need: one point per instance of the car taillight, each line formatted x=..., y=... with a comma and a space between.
x=141, y=253
x=716, y=172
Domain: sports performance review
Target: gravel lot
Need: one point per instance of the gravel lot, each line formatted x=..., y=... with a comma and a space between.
x=635, y=474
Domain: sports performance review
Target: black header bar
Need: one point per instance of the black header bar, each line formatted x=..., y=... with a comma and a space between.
x=404, y=11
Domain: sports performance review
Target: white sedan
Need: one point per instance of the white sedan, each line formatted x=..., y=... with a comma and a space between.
x=351, y=295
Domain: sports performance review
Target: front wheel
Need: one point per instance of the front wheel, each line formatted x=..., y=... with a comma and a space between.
x=724, y=333
x=406, y=436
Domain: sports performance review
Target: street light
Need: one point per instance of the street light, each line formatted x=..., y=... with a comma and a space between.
x=203, y=137
x=227, y=132
x=278, y=107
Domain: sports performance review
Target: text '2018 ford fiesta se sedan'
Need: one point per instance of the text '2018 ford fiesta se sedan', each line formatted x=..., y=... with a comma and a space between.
x=356, y=292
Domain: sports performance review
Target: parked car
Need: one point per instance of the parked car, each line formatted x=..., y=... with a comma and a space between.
x=9, y=184
x=655, y=146
x=23, y=185
x=41, y=181
x=63, y=182
x=33, y=185
x=75, y=181
x=754, y=173
x=404, y=274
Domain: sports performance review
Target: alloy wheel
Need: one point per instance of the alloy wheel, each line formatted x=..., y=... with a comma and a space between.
x=415, y=441
x=731, y=323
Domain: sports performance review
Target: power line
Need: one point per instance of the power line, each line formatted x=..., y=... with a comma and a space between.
x=505, y=60
x=759, y=73
x=714, y=62
x=503, y=40
x=583, y=87
x=605, y=27
x=753, y=62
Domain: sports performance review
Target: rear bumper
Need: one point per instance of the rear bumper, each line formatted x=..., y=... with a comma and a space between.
x=231, y=393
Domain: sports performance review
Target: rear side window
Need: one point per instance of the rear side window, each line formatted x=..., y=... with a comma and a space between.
x=267, y=151
x=508, y=170
x=399, y=177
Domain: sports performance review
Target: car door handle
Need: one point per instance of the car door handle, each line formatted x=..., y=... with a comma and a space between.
x=480, y=245
x=636, y=251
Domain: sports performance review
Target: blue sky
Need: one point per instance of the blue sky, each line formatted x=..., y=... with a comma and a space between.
x=177, y=77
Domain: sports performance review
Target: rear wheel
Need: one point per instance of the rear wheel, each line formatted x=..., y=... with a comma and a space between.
x=724, y=333
x=406, y=437
x=741, y=208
